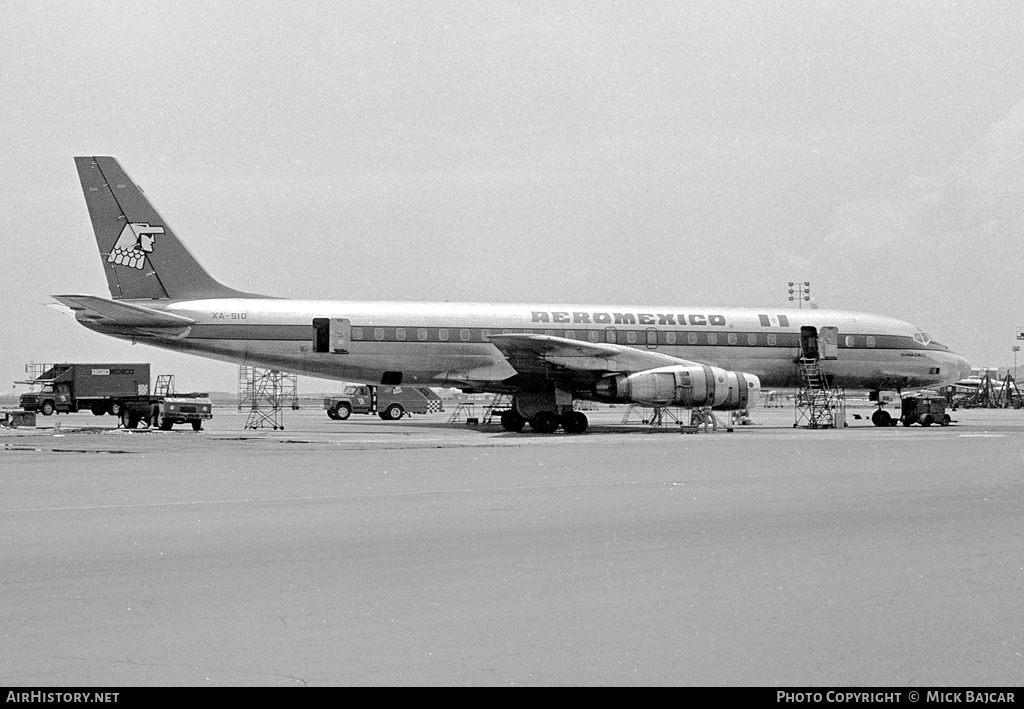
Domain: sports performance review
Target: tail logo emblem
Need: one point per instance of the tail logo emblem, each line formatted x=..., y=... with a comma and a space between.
x=136, y=240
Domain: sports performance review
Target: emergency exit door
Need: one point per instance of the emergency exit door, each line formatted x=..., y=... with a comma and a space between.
x=332, y=335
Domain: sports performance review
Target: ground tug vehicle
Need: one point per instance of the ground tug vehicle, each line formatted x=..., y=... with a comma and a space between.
x=389, y=402
x=924, y=410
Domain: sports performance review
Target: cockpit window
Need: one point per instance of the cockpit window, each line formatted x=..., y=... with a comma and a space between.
x=922, y=337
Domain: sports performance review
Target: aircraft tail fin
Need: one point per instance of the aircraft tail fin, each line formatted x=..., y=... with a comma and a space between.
x=141, y=255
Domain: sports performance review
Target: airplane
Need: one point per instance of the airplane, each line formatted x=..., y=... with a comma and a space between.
x=544, y=355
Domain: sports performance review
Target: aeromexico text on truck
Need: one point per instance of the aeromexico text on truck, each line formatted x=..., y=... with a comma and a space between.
x=111, y=372
x=625, y=318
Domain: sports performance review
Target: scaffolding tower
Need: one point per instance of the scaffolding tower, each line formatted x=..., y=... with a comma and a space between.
x=817, y=403
x=265, y=392
x=246, y=377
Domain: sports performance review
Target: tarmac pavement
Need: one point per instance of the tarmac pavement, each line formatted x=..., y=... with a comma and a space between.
x=420, y=552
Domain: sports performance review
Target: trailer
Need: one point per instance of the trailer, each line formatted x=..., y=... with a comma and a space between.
x=389, y=402
x=100, y=388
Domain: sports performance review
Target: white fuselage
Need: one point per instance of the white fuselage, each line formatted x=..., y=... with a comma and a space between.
x=446, y=344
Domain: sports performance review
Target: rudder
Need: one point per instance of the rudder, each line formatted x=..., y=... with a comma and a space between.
x=142, y=257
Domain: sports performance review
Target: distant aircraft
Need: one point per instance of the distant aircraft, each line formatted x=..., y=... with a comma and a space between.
x=545, y=355
x=975, y=380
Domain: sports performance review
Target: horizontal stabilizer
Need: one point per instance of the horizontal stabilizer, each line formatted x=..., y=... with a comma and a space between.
x=111, y=312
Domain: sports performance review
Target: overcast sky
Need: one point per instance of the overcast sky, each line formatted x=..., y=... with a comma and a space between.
x=698, y=153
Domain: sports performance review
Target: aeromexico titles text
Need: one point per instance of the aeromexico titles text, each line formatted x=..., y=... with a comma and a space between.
x=585, y=318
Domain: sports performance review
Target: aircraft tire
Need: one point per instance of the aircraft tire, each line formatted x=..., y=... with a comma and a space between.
x=511, y=421
x=545, y=422
x=342, y=411
x=575, y=422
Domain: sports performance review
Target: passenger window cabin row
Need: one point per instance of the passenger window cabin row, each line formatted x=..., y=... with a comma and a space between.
x=651, y=337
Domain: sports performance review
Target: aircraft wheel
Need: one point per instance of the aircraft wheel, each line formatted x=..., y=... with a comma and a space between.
x=342, y=411
x=511, y=421
x=394, y=412
x=574, y=422
x=545, y=422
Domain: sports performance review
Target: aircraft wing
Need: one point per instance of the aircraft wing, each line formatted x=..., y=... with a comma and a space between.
x=529, y=353
x=101, y=311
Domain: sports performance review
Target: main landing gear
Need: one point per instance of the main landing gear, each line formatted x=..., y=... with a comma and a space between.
x=546, y=421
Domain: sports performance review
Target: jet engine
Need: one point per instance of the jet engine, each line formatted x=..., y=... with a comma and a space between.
x=681, y=385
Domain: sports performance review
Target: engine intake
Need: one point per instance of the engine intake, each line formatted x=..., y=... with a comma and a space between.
x=699, y=385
